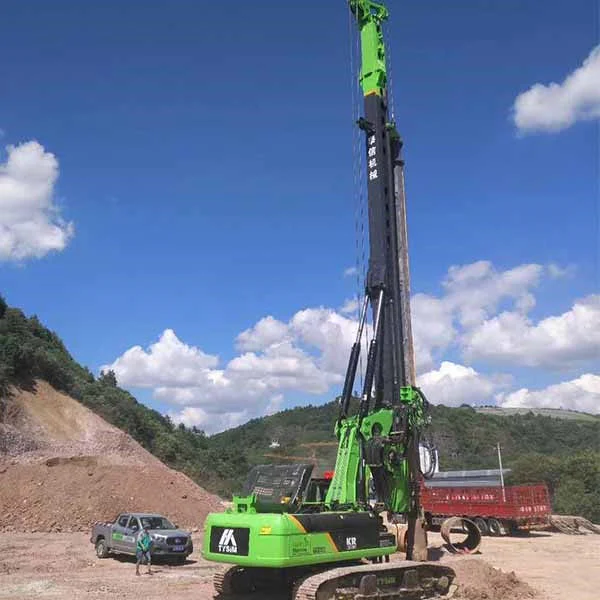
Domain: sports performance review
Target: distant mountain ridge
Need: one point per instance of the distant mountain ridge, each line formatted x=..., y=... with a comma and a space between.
x=559, y=413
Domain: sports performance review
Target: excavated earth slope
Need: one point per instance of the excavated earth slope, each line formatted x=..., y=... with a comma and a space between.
x=477, y=580
x=62, y=467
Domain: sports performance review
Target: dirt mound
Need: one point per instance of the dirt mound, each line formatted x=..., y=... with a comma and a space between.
x=46, y=423
x=72, y=495
x=477, y=580
x=62, y=468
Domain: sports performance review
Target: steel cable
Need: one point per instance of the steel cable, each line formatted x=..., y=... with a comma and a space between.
x=359, y=225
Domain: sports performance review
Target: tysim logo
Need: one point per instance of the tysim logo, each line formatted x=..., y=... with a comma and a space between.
x=227, y=543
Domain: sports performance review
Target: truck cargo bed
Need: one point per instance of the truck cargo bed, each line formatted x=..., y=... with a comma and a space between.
x=517, y=506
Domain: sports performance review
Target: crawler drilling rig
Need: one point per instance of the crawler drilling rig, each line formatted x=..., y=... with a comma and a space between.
x=278, y=535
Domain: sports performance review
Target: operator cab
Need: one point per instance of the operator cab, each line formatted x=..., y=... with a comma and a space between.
x=278, y=488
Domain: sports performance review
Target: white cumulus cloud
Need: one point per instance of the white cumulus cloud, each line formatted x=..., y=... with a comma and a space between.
x=581, y=394
x=309, y=352
x=433, y=328
x=554, y=342
x=474, y=291
x=249, y=385
x=327, y=332
x=350, y=307
x=168, y=362
x=265, y=333
x=209, y=422
x=557, y=106
x=472, y=294
x=30, y=222
x=557, y=272
x=453, y=384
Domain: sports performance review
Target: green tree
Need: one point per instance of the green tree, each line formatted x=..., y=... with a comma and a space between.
x=108, y=378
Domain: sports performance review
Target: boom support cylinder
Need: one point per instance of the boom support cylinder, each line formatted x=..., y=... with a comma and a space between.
x=353, y=362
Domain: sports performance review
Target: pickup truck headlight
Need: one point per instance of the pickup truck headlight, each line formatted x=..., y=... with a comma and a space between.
x=158, y=538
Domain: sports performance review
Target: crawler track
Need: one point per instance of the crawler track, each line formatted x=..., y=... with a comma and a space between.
x=387, y=581
x=377, y=582
x=222, y=582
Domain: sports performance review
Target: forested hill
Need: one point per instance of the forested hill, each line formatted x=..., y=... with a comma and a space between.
x=465, y=438
x=563, y=452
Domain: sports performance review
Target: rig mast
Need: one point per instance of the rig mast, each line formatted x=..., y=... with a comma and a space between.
x=390, y=377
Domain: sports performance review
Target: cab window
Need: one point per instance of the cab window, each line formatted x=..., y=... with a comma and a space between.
x=134, y=524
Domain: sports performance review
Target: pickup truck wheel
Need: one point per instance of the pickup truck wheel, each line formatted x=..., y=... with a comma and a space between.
x=101, y=548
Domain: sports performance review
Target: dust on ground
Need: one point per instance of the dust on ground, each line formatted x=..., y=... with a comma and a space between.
x=556, y=566
x=64, y=565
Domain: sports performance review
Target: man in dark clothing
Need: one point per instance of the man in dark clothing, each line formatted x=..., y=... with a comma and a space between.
x=143, y=550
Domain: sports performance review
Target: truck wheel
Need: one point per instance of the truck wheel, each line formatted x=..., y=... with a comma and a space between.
x=101, y=548
x=494, y=527
x=481, y=525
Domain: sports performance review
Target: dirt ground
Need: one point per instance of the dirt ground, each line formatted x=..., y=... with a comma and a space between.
x=64, y=565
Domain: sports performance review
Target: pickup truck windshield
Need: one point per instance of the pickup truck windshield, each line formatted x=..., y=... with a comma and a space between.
x=156, y=523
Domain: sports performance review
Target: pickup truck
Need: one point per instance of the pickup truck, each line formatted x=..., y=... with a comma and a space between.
x=121, y=536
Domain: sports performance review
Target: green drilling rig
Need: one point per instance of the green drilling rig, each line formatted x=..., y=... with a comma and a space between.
x=333, y=545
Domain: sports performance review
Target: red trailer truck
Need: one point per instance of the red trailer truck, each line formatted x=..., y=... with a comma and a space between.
x=495, y=510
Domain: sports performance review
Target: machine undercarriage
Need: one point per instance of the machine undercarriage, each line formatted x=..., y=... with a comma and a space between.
x=388, y=581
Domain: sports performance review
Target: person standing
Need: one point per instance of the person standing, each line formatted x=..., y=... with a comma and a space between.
x=143, y=550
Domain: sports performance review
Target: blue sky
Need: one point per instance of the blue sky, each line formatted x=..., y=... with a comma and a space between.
x=203, y=153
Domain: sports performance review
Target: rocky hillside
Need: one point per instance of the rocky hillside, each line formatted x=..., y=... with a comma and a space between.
x=30, y=352
x=62, y=467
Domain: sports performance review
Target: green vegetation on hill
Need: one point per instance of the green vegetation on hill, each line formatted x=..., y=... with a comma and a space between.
x=563, y=453
x=29, y=351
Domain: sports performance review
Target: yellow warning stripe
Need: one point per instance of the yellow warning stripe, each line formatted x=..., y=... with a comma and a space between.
x=297, y=523
x=301, y=528
x=331, y=542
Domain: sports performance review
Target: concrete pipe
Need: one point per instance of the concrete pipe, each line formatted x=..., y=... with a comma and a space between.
x=401, y=533
x=399, y=530
x=461, y=527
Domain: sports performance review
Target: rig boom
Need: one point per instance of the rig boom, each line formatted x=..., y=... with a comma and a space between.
x=390, y=373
